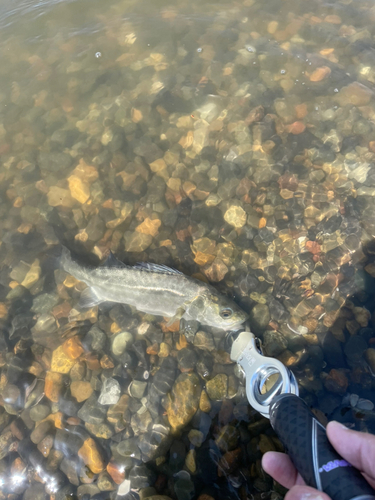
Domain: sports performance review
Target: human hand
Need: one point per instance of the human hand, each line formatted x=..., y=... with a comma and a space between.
x=357, y=448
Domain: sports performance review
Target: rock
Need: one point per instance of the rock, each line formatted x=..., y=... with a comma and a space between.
x=39, y=412
x=217, y=388
x=235, y=216
x=81, y=390
x=59, y=197
x=187, y=359
x=274, y=343
x=370, y=358
x=183, y=400
x=164, y=377
x=141, y=477
x=149, y=227
x=354, y=348
x=336, y=382
x=60, y=362
x=259, y=318
x=320, y=73
x=90, y=455
x=184, y=487
x=190, y=461
x=355, y=93
x=164, y=350
x=44, y=302
x=101, y=431
x=32, y=275
x=94, y=340
x=266, y=444
x=196, y=437
x=216, y=271
x=92, y=411
x=227, y=438
x=110, y=393
x=137, y=242
x=141, y=421
x=204, y=402
x=129, y=448
x=120, y=342
x=204, y=340
x=137, y=389
x=79, y=190
x=117, y=414
x=53, y=385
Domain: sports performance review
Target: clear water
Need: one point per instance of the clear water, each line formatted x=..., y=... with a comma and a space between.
x=232, y=141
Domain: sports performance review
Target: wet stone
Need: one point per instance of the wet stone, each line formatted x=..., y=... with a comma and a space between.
x=235, y=216
x=336, y=382
x=183, y=400
x=217, y=388
x=121, y=342
x=92, y=411
x=204, y=340
x=274, y=343
x=81, y=390
x=137, y=389
x=184, y=487
x=196, y=437
x=39, y=412
x=91, y=456
x=110, y=393
x=129, y=448
x=227, y=438
x=164, y=377
x=141, y=477
x=354, y=348
x=259, y=317
x=101, y=431
x=187, y=359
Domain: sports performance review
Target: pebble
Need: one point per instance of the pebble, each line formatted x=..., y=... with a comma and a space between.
x=81, y=390
x=336, y=382
x=217, y=388
x=235, y=216
x=60, y=362
x=183, y=400
x=90, y=455
x=110, y=393
x=120, y=342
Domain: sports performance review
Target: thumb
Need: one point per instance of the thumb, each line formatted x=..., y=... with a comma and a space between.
x=305, y=493
x=358, y=448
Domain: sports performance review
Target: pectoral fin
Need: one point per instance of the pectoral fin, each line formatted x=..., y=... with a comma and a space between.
x=179, y=313
x=89, y=298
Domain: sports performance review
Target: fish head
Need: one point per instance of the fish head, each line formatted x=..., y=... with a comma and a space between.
x=221, y=312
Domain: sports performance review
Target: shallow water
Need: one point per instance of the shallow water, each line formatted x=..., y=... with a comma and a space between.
x=232, y=141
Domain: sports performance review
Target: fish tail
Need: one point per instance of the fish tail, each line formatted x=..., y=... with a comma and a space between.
x=69, y=265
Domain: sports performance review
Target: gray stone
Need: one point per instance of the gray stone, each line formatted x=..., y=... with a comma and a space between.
x=39, y=412
x=92, y=411
x=44, y=302
x=274, y=343
x=121, y=342
x=110, y=393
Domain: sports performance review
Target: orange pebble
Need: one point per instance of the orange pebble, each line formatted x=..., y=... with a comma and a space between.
x=320, y=73
x=262, y=222
x=301, y=110
x=296, y=128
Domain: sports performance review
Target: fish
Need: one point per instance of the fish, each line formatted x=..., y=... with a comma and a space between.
x=154, y=289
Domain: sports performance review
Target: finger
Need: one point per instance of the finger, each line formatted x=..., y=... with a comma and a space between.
x=305, y=493
x=358, y=448
x=280, y=467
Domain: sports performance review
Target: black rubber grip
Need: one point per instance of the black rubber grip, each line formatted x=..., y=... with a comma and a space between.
x=305, y=440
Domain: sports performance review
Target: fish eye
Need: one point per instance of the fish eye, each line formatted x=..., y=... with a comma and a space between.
x=226, y=313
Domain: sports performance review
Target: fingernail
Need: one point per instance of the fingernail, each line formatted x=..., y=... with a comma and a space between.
x=312, y=496
x=339, y=424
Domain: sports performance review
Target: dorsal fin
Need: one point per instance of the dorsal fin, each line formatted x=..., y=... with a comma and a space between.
x=112, y=261
x=156, y=268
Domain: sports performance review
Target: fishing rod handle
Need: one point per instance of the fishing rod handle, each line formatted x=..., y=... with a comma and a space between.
x=305, y=440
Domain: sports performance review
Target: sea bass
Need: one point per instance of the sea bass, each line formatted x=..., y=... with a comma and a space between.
x=154, y=289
